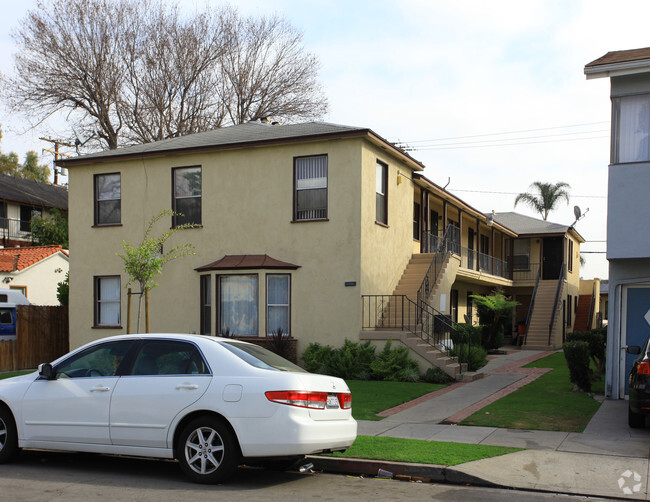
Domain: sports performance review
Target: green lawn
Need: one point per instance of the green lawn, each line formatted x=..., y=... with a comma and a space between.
x=421, y=452
x=547, y=403
x=369, y=397
x=9, y=374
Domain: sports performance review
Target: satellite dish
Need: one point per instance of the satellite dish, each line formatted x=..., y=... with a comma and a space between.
x=576, y=212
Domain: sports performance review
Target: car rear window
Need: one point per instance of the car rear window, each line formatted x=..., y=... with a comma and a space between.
x=260, y=357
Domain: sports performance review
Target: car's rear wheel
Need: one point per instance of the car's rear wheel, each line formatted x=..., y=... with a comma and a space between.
x=8, y=436
x=207, y=450
x=635, y=420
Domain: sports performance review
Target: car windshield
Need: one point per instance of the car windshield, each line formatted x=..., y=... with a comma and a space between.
x=260, y=357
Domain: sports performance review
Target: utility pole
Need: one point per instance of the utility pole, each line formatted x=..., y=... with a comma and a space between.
x=56, y=154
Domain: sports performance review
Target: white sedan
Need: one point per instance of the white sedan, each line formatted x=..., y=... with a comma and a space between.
x=211, y=403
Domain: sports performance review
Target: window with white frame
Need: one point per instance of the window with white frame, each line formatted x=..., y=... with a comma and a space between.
x=381, y=181
x=521, y=254
x=238, y=300
x=310, y=188
x=632, y=129
x=187, y=195
x=278, y=299
x=107, y=301
x=108, y=199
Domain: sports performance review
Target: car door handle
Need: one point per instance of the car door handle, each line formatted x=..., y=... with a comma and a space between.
x=99, y=388
x=187, y=386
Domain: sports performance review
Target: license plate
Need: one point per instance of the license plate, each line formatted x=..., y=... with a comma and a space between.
x=332, y=401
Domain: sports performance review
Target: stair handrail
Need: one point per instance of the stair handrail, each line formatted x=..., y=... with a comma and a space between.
x=425, y=330
x=431, y=276
x=591, y=307
x=532, y=304
x=560, y=283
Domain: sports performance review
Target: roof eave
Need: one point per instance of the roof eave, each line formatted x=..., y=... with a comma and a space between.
x=617, y=69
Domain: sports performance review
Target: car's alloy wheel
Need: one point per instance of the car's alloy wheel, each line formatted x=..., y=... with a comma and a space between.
x=8, y=436
x=207, y=451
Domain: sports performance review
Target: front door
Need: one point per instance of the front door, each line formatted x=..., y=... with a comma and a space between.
x=552, y=257
x=634, y=328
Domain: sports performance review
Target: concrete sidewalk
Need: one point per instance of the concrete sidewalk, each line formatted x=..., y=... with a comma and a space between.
x=608, y=459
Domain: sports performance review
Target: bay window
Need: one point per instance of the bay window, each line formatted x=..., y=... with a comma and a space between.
x=238, y=305
x=278, y=296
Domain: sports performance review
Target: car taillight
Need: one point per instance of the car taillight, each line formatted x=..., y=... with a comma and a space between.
x=345, y=400
x=302, y=399
x=644, y=368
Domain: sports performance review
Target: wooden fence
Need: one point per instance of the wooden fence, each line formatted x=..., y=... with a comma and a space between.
x=42, y=336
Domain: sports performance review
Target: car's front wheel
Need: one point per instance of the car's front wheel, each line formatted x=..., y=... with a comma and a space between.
x=207, y=450
x=8, y=436
x=635, y=420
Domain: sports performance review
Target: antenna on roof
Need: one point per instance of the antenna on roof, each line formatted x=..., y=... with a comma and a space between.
x=578, y=214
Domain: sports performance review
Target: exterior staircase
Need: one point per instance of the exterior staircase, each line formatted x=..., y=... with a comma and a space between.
x=537, y=337
x=582, y=321
x=408, y=286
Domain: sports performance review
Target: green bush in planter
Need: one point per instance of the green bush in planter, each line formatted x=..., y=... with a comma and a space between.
x=577, y=358
x=477, y=356
x=461, y=331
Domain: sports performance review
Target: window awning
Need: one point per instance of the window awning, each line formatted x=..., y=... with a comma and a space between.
x=247, y=262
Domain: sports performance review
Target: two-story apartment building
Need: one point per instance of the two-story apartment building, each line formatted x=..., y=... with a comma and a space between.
x=325, y=231
x=628, y=209
x=20, y=200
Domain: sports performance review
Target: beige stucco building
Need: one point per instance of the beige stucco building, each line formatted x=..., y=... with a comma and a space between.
x=318, y=229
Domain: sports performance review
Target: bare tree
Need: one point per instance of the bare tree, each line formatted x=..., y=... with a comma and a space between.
x=133, y=71
x=71, y=58
x=173, y=69
x=268, y=74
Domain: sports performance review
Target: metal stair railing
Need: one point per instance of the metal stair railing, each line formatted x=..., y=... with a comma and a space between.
x=437, y=262
x=531, y=307
x=560, y=283
x=420, y=319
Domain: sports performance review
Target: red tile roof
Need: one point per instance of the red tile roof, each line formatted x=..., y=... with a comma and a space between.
x=621, y=57
x=15, y=259
x=246, y=261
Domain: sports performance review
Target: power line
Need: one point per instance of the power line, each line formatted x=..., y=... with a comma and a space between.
x=517, y=193
x=508, y=132
x=458, y=146
x=513, y=138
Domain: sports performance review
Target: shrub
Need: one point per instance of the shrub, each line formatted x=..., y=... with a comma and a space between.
x=315, y=357
x=597, y=341
x=280, y=344
x=476, y=359
x=392, y=364
x=436, y=375
x=577, y=356
x=460, y=331
x=352, y=361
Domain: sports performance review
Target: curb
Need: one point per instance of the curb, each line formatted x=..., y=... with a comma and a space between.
x=407, y=471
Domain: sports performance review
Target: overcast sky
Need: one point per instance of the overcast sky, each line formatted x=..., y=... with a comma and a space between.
x=491, y=95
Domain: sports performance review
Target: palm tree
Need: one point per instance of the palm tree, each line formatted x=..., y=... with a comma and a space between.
x=545, y=197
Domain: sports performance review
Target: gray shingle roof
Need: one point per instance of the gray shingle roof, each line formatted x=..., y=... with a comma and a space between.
x=242, y=135
x=523, y=225
x=32, y=192
x=250, y=132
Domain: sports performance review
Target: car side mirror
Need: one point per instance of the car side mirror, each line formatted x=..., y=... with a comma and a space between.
x=46, y=371
x=633, y=349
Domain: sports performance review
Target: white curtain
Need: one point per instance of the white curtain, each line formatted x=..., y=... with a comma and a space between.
x=238, y=304
x=634, y=129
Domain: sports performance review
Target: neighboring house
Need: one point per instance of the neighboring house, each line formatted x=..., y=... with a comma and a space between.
x=628, y=209
x=35, y=271
x=290, y=234
x=20, y=201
